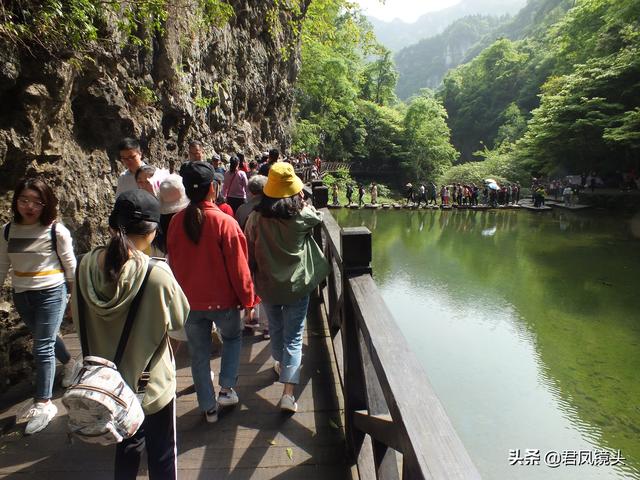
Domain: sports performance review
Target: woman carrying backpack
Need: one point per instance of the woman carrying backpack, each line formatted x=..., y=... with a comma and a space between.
x=109, y=278
x=40, y=252
x=287, y=265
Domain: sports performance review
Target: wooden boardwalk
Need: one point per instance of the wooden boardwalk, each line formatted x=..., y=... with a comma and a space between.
x=253, y=440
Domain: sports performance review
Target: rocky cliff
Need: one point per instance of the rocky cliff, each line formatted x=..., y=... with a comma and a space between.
x=63, y=113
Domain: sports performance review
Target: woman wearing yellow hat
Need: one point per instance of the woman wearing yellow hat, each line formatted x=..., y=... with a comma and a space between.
x=287, y=265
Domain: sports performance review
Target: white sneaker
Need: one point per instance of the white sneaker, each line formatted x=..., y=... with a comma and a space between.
x=211, y=415
x=40, y=415
x=70, y=372
x=288, y=404
x=228, y=398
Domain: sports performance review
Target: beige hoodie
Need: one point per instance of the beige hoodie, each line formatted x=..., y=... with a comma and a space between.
x=163, y=307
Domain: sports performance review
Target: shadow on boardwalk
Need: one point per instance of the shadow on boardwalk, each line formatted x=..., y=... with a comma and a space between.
x=253, y=440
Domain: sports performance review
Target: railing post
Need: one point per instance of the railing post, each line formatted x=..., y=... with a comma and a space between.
x=356, y=260
x=320, y=194
x=356, y=251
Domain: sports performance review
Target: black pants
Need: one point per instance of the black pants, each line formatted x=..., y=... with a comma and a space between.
x=235, y=202
x=158, y=435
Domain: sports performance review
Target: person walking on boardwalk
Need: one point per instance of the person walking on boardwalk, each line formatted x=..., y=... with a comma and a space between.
x=374, y=193
x=109, y=279
x=334, y=193
x=272, y=158
x=39, y=251
x=409, y=192
x=361, y=192
x=196, y=151
x=288, y=265
x=444, y=195
x=234, y=188
x=422, y=195
x=130, y=154
x=349, y=193
x=256, y=318
x=207, y=251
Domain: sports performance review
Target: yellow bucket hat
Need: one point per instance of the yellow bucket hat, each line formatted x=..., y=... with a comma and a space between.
x=282, y=181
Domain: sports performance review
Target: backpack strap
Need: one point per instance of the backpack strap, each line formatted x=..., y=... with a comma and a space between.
x=54, y=243
x=133, y=310
x=54, y=239
x=126, y=331
x=84, y=343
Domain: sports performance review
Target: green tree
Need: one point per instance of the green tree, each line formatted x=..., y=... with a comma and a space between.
x=383, y=143
x=586, y=118
x=334, y=39
x=476, y=95
x=513, y=126
x=426, y=137
x=379, y=78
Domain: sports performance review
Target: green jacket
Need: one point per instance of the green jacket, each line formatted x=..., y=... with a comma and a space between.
x=285, y=259
x=163, y=307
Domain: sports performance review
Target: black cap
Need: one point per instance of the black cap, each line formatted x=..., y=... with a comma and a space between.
x=196, y=177
x=134, y=206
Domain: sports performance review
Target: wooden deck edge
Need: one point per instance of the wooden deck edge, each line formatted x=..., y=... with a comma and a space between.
x=324, y=318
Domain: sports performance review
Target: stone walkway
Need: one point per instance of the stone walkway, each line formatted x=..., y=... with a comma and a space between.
x=253, y=440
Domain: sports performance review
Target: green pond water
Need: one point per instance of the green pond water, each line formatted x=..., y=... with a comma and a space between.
x=528, y=326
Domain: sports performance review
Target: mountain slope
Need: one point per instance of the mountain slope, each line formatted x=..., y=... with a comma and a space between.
x=426, y=63
x=397, y=34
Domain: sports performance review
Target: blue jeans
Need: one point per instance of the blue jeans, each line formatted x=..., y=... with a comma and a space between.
x=42, y=312
x=198, y=328
x=286, y=325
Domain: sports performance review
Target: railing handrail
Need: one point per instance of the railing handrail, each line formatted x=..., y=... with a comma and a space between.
x=389, y=401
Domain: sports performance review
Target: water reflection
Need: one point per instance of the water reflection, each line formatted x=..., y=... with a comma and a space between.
x=527, y=325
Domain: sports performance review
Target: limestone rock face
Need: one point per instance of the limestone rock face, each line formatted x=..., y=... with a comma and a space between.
x=63, y=114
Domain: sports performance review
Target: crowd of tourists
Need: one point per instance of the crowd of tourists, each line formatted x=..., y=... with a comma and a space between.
x=459, y=194
x=238, y=252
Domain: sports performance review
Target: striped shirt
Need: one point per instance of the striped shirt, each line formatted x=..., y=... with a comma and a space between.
x=30, y=256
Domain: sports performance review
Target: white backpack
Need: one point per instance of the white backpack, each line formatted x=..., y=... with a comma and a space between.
x=102, y=408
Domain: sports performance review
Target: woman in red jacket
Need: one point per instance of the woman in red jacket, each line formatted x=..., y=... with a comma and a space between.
x=207, y=252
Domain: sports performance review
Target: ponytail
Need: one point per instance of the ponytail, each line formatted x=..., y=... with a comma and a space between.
x=117, y=254
x=193, y=220
x=193, y=215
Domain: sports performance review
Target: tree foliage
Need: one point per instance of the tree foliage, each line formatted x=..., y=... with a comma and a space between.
x=346, y=106
x=71, y=25
x=565, y=99
x=427, y=138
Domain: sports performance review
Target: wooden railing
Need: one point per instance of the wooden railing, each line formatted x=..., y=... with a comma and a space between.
x=395, y=425
x=326, y=167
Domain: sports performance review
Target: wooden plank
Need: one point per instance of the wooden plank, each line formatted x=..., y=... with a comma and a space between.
x=378, y=426
x=332, y=230
x=430, y=444
x=307, y=472
x=238, y=446
x=385, y=458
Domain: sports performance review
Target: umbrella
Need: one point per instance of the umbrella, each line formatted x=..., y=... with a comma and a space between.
x=490, y=180
x=493, y=186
